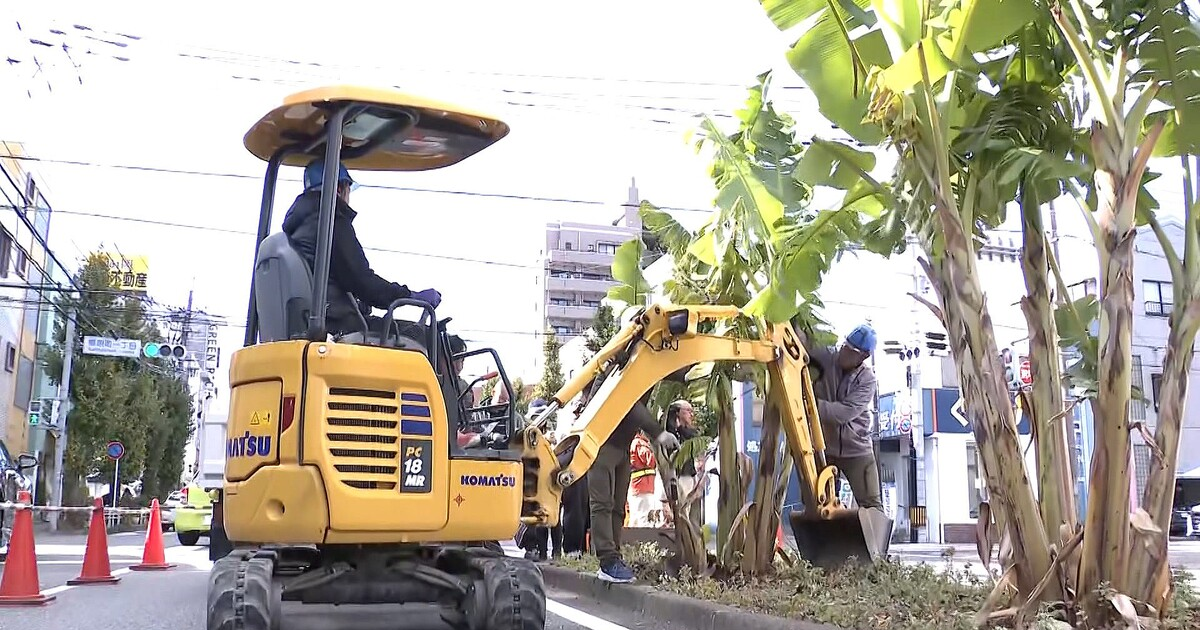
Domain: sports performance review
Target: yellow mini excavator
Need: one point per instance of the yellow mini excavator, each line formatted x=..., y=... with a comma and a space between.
x=344, y=483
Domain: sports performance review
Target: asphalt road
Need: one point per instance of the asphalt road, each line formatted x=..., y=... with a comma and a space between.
x=175, y=599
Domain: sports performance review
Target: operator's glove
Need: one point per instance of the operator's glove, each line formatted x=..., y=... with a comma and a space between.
x=668, y=441
x=429, y=296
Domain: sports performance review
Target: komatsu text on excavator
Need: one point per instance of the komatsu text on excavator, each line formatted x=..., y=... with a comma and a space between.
x=355, y=490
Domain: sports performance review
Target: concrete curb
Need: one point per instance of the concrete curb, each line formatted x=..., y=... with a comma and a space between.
x=685, y=611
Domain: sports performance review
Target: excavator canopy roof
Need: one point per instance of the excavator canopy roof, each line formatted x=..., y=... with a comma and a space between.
x=392, y=130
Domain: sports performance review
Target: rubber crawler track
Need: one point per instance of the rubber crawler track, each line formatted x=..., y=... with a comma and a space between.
x=239, y=593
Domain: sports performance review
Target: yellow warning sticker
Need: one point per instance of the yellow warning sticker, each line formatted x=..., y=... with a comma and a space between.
x=260, y=418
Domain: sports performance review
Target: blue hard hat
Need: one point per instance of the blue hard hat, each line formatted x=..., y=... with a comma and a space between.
x=315, y=170
x=862, y=338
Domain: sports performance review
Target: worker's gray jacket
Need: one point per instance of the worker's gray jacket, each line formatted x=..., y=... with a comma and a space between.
x=844, y=404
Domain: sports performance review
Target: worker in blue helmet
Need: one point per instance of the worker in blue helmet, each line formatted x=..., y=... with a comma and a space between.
x=845, y=389
x=353, y=286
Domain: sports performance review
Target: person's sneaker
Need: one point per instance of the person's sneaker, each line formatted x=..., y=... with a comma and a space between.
x=615, y=571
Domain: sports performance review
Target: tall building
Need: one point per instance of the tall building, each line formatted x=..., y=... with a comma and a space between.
x=24, y=257
x=577, y=263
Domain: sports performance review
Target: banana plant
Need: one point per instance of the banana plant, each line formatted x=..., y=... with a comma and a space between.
x=765, y=249
x=1155, y=66
x=915, y=88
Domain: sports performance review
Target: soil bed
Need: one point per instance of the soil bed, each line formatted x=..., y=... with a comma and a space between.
x=887, y=596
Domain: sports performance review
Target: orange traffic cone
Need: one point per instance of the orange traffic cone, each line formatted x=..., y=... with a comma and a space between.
x=96, y=569
x=20, y=585
x=154, y=556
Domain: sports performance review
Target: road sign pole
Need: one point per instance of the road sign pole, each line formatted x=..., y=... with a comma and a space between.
x=60, y=444
x=116, y=482
x=115, y=451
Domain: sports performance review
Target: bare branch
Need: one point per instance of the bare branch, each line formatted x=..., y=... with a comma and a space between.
x=937, y=311
x=1155, y=451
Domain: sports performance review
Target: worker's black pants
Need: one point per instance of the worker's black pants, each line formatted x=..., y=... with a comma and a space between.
x=544, y=535
x=608, y=490
x=576, y=516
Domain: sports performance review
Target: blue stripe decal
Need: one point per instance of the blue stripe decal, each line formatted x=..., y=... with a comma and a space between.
x=417, y=411
x=406, y=396
x=416, y=427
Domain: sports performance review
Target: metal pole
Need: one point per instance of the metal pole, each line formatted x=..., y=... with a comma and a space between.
x=116, y=481
x=64, y=397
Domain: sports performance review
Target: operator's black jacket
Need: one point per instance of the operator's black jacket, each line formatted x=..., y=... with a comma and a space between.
x=348, y=266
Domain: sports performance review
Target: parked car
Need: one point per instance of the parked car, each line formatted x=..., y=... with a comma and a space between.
x=167, y=509
x=12, y=481
x=1181, y=522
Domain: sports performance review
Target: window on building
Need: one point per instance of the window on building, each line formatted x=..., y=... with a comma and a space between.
x=591, y=303
x=560, y=301
x=1141, y=468
x=6, y=247
x=24, y=391
x=606, y=248
x=1155, y=388
x=1159, y=300
x=10, y=357
x=568, y=246
x=22, y=265
x=1137, y=409
x=974, y=496
x=563, y=331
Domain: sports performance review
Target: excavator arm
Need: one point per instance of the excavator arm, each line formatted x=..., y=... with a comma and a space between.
x=661, y=341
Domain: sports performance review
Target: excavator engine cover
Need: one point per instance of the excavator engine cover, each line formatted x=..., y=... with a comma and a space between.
x=845, y=535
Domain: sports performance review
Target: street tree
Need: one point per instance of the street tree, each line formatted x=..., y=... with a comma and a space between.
x=138, y=401
x=604, y=326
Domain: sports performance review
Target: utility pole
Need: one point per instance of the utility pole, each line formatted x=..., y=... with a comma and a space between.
x=64, y=401
x=181, y=367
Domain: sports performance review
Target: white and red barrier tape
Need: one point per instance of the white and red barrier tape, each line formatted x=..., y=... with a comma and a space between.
x=109, y=511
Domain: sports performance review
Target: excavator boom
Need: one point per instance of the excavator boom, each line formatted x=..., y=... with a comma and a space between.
x=661, y=341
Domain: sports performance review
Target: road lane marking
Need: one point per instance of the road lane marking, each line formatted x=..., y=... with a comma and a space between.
x=574, y=615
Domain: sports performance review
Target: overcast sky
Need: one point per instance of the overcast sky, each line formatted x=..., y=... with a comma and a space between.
x=595, y=94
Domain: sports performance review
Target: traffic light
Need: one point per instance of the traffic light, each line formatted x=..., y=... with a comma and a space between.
x=35, y=412
x=164, y=351
x=936, y=343
x=1011, y=377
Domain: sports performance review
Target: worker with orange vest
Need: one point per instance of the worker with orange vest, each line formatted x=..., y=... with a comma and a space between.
x=644, y=505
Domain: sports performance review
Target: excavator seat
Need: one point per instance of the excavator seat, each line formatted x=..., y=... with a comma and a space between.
x=283, y=298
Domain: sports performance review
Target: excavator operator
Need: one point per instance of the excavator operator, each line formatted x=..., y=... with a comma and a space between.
x=353, y=285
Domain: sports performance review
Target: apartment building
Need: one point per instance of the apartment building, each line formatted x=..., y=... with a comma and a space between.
x=577, y=268
x=24, y=232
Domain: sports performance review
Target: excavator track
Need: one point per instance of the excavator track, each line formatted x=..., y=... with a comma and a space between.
x=510, y=595
x=242, y=593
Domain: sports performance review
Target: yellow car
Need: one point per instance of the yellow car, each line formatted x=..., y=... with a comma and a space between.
x=193, y=515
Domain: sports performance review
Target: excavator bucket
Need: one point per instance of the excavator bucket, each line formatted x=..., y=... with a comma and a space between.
x=843, y=536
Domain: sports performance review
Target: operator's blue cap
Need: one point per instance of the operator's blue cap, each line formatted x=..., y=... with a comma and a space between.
x=315, y=171
x=862, y=338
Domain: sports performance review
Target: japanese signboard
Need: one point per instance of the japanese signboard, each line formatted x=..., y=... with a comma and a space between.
x=128, y=273
x=109, y=347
